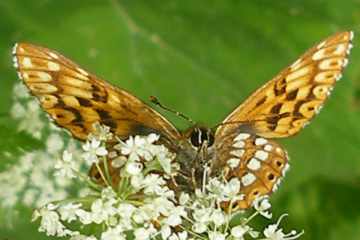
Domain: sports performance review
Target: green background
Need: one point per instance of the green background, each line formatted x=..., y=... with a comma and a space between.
x=203, y=58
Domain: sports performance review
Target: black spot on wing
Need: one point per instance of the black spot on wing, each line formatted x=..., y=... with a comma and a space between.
x=272, y=122
x=99, y=98
x=298, y=105
x=276, y=109
x=106, y=119
x=84, y=102
x=280, y=87
x=261, y=101
x=99, y=94
x=292, y=95
x=109, y=122
x=60, y=103
x=139, y=129
x=95, y=88
x=77, y=114
x=103, y=114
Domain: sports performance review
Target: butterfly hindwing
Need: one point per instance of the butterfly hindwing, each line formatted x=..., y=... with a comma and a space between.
x=76, y=99
x=258, y=163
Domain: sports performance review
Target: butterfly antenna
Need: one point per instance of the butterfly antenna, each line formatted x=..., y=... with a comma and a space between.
x=156, y=101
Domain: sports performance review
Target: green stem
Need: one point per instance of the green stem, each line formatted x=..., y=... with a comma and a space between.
x=75, y=200
x=250, y=218
x=192, y=233
x=230, y=212
x=102, y=174
x=122, y=185
x=88, y=181
x=106, y=167
x=136, y=203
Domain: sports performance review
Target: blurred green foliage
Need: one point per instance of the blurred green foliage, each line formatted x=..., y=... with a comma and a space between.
x=203, y=58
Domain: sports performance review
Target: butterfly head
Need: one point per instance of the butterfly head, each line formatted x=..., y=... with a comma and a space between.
x=199, y=136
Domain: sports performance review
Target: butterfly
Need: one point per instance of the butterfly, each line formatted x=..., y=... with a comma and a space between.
x=242, y=146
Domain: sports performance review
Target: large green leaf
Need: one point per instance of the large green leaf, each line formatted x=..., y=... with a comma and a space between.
x=203, y=58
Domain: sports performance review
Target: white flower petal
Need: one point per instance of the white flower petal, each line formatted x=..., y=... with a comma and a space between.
x=216, y=236
x=165, y=232
x=101, y=151
x=239, y=231
x=134, y=168
x=199, y=227
x=184, y=198
x=95, y=143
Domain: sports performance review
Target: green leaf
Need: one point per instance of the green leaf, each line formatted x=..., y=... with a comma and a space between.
x=324, y=208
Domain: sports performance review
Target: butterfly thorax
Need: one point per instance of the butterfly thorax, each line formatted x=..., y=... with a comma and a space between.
x=194, y=155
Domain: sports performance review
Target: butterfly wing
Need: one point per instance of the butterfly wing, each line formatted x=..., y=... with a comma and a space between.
x=284, y=105
x=259, y=164
x=76, y=99
x=280, y=108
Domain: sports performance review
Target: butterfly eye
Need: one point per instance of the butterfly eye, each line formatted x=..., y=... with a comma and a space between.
x=200, y=135
x=195, y=137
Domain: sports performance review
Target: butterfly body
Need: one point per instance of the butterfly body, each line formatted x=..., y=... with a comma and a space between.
x=194, y=152
x=242, y=146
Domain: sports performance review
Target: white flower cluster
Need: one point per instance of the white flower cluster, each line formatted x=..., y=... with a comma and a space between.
x=143, y=206
x=143, y=148
x=27, y=111
x=29, y=181
x=142, y=200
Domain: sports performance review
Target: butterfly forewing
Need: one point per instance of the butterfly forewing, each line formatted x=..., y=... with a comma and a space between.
x=76, y=99
x=284, y=105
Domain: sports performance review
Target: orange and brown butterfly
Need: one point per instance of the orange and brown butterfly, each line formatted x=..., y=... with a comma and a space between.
x=241, y=146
